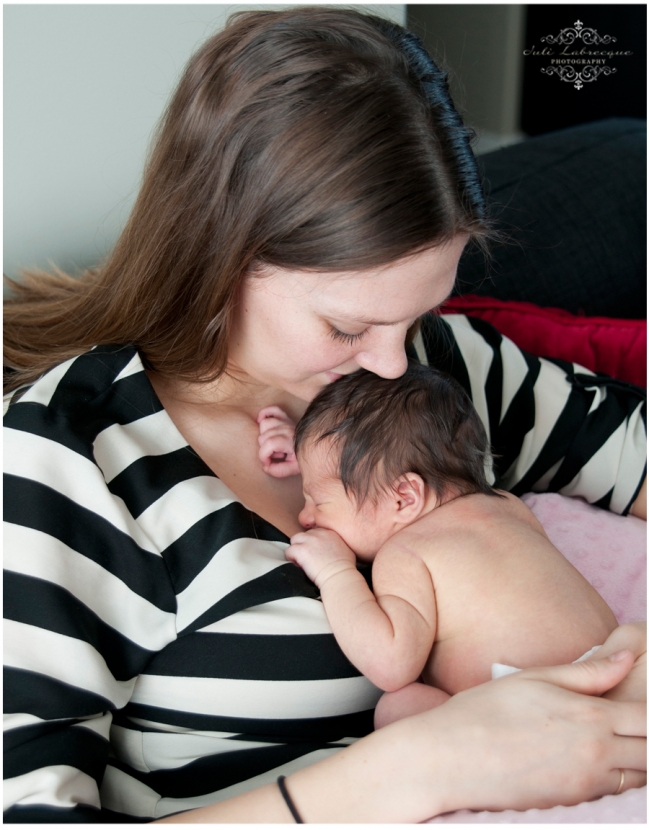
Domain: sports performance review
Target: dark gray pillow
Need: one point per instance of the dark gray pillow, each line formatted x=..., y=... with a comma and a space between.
x=574, y=203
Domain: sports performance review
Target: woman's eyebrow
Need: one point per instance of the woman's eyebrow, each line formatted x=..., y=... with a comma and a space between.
x=366, y=321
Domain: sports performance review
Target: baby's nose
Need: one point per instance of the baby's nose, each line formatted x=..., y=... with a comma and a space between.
x=306, y=518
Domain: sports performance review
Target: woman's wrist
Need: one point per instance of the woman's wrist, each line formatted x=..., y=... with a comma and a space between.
x=264, y=805
x=384, y=778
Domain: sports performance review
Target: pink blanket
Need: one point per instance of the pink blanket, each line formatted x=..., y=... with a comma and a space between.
x=610, y=551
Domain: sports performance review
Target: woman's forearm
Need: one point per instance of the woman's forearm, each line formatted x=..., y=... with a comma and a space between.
x=363, y=783
x=264, y=805
x=523, y=741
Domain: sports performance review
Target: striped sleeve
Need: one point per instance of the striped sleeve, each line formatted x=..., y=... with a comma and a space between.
x=553, y=426
x=87, y=600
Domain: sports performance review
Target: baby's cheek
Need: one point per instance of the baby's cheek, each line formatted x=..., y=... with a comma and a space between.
x=347, y=533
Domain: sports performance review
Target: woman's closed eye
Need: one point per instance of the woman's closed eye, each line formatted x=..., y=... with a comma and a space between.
x=336, y=334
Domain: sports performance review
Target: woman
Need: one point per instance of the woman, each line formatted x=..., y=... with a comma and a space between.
x=307, y=201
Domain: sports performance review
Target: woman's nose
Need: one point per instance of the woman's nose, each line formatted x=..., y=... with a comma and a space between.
x=387, y=355
x=306, y=517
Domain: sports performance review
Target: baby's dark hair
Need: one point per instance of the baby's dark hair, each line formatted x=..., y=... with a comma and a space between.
x=422, y=422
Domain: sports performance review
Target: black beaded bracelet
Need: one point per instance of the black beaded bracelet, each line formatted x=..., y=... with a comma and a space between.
x=287, y=798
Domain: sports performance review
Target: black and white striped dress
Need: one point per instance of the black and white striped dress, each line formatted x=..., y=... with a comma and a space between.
x=160, y=652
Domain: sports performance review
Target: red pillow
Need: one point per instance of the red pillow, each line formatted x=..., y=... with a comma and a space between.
x=602, y=344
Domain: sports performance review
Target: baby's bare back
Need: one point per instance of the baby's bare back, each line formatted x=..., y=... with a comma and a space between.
x=504, y=593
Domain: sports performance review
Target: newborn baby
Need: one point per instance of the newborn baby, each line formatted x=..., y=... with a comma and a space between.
x=463, y=575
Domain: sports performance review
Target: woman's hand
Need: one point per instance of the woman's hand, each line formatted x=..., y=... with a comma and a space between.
x=581, y=742
x=634, y=685
x=276, y=449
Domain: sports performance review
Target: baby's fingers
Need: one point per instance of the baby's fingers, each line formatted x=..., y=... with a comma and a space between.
x=273, y=412
x=275, y=444
x=277, y=457
x=271, y=424
x=282, y=469
x=275, y=430
x=294, y=554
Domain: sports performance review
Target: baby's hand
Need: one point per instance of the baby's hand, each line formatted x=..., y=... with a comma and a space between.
x=321, y=554
x=276, y=450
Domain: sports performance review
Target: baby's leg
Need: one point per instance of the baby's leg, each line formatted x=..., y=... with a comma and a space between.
x=411, y=700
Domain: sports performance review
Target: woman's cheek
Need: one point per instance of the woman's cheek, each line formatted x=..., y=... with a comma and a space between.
x=328, y=359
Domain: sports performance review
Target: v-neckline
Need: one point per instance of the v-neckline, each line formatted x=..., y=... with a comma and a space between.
x=179, y=437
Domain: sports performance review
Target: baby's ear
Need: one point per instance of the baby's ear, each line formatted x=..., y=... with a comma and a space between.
x=410, y=492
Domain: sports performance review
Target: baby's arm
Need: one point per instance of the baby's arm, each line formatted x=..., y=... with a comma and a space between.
x=387, y=635
x=276, y=450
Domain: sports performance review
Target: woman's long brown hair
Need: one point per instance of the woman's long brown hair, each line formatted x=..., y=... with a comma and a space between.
x=306, y=139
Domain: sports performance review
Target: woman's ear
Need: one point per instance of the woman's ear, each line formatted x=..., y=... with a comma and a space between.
x=411, y=497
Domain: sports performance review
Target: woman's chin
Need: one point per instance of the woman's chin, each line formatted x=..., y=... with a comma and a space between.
x=307, y=389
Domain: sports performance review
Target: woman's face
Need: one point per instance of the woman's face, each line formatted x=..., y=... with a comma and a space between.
x=297, y=331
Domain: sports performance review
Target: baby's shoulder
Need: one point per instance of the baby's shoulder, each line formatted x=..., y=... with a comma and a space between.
x=472, y=518
x=499, y=506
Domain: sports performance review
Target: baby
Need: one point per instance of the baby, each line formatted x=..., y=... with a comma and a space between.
x=463, y=575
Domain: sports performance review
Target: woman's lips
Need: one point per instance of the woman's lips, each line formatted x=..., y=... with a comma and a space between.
x=332, y=376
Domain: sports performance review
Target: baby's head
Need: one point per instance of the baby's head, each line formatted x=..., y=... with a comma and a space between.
x=375, y=454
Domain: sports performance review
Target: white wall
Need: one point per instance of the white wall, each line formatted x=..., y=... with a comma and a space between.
x=481, y=46
x=83, y=87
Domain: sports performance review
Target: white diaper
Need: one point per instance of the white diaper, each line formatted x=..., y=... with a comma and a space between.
x=500, y=670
